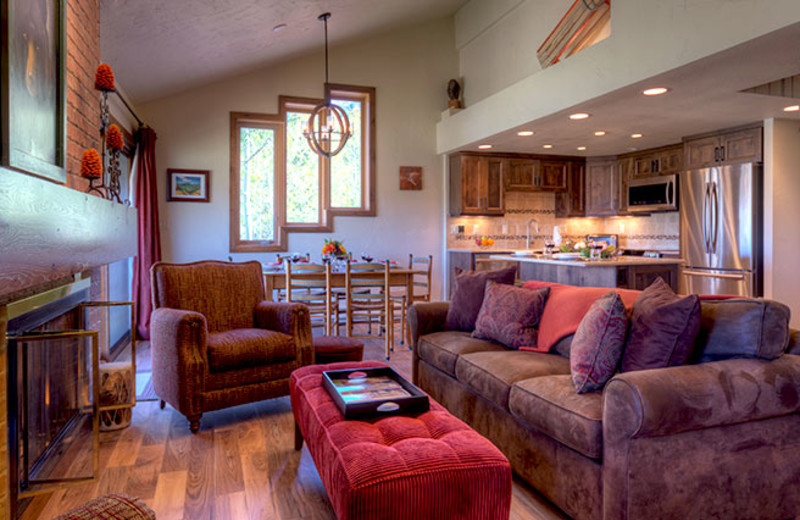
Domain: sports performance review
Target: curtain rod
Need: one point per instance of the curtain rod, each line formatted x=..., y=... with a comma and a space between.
x=124, y=102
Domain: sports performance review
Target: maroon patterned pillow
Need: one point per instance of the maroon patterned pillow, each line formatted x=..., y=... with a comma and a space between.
x=510, y=315
x=597, y=346
x=467, y=297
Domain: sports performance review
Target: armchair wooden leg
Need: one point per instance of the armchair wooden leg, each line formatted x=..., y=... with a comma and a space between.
x=194, y=422
x=298, y=438
x=162, y=404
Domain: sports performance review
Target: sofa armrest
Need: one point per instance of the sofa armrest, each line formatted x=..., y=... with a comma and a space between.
x=425, y=318
x=179, y=357
x=665, y=401
x=794, y=342
x=289, y=318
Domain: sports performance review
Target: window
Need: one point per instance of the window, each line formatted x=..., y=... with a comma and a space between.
x=256, y=182
x=279, y=185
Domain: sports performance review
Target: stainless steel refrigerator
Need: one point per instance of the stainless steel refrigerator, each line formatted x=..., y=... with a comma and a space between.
x=721, y=230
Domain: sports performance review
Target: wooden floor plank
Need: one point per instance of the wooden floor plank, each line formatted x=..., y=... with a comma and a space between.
x=200, y=477
x=228, y=477
x=168, y=502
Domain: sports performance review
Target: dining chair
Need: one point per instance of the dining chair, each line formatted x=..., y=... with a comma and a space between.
x=368, y=300
x=424, y=264
x=310, y=284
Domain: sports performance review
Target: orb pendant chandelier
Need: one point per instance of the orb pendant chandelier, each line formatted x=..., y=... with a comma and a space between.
x=328, y=128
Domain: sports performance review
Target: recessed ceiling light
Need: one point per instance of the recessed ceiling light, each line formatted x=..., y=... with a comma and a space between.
x=636, y=136
x=600, y=133
x=656, y=91
x=484, y=146
x=525, y=133
x=578, y=116
x=547, y=146
x=581, y=148
x=279, y=27
x=793, y=108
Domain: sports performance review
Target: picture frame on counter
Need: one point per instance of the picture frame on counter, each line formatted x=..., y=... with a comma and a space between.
x=33, y=87
x=188, y=185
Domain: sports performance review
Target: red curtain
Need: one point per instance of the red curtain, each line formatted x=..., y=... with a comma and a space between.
x=149, y=248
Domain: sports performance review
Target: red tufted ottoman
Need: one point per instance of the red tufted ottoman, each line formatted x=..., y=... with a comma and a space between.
x=424, y=467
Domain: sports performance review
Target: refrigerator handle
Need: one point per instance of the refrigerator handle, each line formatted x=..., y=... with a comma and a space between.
x=723, y=276
x=715, y=222
x=705, y=217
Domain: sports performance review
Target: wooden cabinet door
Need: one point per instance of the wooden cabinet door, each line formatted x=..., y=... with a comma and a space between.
x=473, y=181
x=553, y=176
x=601, y=188
x=701, y=153
x=572, y=203
x=494, y=203
x=671, y=160
x=641, y=276
x=744, y=145
x=522, y=174
x=643, y=166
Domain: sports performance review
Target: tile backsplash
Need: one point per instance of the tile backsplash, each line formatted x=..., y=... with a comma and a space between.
x=659, y=231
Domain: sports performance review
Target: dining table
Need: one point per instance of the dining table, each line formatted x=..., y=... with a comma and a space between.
x=275, y=279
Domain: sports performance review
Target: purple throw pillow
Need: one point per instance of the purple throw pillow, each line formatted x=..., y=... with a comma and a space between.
x=510, y=315
x=465, y=303
x=597, y=346
x=664, y=327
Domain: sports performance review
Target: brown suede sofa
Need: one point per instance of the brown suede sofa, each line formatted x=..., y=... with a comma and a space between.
x=718, y=439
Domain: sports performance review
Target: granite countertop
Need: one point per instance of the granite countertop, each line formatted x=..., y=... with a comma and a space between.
x=478, y=249
x=619, y=261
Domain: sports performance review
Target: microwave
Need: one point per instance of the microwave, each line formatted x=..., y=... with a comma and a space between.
x=653, y=194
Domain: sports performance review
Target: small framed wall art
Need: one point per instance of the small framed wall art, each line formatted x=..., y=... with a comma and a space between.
x=188, y=185
x=411, y=177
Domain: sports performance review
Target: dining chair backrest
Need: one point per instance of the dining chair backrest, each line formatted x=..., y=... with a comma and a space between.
x=310, y=284
x=368, y=297
x=422, y=280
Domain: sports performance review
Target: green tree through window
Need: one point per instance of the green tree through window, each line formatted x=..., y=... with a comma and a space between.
x=346, y=166
x=302, y=173
x=257, y=184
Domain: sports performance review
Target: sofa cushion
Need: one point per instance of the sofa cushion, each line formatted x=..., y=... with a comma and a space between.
x=509, y=315
x=597, y=346
x=491, y=374
x=663, y=329
x=467, y=297
x=551, y=405
x=243, y=348
x=565, y=308
x=441, y=349
x=742, y=328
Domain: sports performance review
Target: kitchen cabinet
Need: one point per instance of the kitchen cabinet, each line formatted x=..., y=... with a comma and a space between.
x=667, y=160
x=572, y=202
x=536, y=175
x=639, y=277
x=738, y=145
x=602, y=187
x=476, y=185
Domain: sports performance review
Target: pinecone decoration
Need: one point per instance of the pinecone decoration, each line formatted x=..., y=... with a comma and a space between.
x=104, y=78
x=91, y=165
x=114, y=139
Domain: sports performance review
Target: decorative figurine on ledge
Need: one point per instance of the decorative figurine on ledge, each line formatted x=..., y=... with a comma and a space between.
x=454, y=93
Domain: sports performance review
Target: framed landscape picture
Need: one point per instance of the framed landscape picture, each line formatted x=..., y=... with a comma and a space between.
x=187, y=185
x=33, y=90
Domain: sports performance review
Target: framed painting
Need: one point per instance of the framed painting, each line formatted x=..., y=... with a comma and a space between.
x=187, y=185
x=33, y=87
x=411, y=177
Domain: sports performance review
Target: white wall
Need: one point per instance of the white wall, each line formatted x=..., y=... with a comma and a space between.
x=409, y=67
x=782, y=213
x=647, y=38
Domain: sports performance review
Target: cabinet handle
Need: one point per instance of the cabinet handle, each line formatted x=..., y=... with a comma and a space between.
x=716, y=153
x=721, y=153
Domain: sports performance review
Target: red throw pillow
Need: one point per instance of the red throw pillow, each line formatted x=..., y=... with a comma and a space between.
x=664, y=327
x=509, y=315
x=467, y=297
x=597, y=346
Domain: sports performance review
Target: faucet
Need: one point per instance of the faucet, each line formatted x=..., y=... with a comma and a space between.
x=528, y=240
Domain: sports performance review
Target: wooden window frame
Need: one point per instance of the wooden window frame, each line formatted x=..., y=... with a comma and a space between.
x=275, y=123
x=368, y=144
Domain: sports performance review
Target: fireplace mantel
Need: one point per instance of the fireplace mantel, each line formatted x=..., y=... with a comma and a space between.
x=49, y=232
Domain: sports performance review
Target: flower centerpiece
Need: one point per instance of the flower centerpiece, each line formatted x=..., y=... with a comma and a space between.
x=334, y=249
x=586, y=248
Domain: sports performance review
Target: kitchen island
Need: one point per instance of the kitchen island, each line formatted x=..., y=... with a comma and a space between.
x=628, y=272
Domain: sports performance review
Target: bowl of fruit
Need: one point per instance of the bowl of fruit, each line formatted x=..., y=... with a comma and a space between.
x=483, y=241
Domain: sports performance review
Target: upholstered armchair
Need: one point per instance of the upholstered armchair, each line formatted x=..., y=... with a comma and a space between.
x=215, y=342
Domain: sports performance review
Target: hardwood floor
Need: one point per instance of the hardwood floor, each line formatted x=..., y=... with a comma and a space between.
x=241, y=465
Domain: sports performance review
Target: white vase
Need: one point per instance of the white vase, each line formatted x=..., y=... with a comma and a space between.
x=557, y=236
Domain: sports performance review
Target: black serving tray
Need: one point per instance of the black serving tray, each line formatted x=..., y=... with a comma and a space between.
x=380, y=392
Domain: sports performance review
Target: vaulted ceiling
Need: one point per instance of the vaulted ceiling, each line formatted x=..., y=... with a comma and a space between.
x=162, y=47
